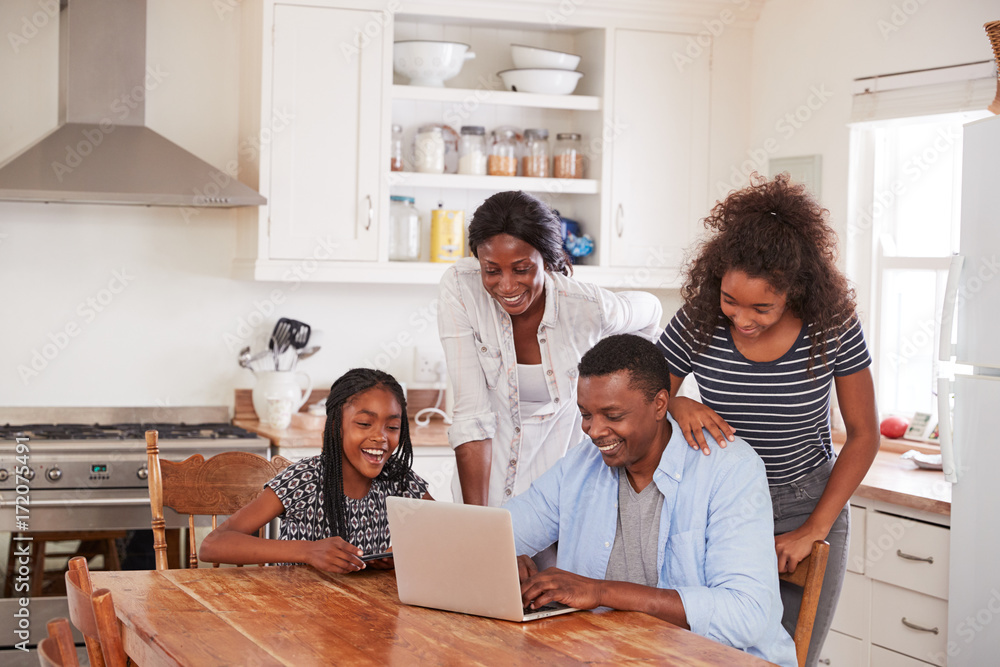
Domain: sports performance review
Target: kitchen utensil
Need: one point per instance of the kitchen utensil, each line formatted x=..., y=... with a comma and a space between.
x=255, y=358
x=280, y=338
x=531, y=57
x=287, y=333
x=304, y=353
x=550, y=81
x=428, y=62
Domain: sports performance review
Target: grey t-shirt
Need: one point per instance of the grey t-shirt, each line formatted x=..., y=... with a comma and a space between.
x=633, y=556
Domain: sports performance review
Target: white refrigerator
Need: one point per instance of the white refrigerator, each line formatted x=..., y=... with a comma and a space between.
x=970, y=448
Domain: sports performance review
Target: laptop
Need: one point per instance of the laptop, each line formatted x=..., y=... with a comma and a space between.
x=458, y=558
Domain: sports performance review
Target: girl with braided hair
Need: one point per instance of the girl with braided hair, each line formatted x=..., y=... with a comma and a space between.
x=332, y=506
x=768, y=329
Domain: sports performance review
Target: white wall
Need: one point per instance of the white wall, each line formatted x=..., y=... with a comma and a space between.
x=170, y=326
x=167, y=332
x=811, y=51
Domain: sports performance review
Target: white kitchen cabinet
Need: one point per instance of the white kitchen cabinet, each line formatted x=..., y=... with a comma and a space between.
x=893, y=606
x=840, y=650
x=660, y=147
x=325, y=147
x=320, y=93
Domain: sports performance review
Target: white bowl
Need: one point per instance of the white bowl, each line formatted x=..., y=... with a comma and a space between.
x=429, y=63
x=533, y=57
x=551, y=81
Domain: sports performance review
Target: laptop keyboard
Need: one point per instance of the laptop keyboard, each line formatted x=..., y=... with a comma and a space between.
x=552, y=606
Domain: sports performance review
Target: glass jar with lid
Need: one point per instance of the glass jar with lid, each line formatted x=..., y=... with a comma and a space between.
x=404, y=230
x=428, y=150
x=503, y=152
x=396, y=149
x=536, y=153
x=568, y=160
x=472, y=150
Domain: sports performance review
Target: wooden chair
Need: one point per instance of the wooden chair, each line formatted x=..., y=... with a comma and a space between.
x=217, y=486
x=93, y=614
x=90, y=543
x=58, y=649
x=809, y=576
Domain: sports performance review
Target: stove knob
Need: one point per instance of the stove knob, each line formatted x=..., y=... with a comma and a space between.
x=142, y=473
x=54, y=474
x=4, y=475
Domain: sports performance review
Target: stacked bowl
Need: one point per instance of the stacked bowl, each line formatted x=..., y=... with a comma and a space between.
x=539, y=70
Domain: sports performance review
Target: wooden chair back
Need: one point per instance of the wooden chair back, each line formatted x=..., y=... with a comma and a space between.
x=809, y=576
x=93, y=614
x=58, y=649
x=220, y=485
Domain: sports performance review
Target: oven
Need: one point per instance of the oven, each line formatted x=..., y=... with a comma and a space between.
x=78, y=470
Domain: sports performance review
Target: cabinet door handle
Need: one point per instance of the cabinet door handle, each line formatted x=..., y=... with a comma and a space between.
x=928, y=559
x=917, y=627
x=371, y=213
x=824, y=661
x=619, y=220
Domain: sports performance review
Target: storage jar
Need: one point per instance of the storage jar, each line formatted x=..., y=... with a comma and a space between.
x=404, y=230
x=536, y=153
x=568, y=160
x=472, y=150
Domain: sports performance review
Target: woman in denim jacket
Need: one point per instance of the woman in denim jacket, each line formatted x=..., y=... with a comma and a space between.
x=514, y=325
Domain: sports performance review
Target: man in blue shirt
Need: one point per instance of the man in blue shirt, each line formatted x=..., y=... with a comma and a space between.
x=646, y=523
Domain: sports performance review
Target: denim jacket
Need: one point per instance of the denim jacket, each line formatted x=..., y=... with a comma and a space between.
x=478, y=341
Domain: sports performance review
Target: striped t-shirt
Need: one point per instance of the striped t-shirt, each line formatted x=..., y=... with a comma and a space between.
x=782, y=412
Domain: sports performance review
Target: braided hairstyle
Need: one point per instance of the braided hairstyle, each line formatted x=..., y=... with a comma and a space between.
x=350, y=384
x=776, y=231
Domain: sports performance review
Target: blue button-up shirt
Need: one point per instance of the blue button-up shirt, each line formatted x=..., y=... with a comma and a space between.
x=716, y=546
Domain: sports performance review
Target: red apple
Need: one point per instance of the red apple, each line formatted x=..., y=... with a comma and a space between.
x=894, y=427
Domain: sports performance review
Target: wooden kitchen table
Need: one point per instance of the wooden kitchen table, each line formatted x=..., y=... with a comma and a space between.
x=295, y=615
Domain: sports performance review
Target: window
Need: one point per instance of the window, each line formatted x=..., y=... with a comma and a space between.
x=909, y=172
x=904, y=212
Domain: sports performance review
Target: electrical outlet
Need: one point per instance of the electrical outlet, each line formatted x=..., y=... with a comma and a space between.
x=428, y=369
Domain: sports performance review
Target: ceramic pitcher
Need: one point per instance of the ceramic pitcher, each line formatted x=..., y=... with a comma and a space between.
x=278, y=394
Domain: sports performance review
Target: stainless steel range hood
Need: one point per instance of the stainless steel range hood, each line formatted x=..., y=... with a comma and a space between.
x=101, y=152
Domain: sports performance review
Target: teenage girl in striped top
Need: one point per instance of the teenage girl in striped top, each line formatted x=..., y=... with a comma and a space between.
x=768, y=328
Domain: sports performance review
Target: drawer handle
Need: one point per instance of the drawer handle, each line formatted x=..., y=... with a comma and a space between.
x=929, y=559
x=824, y=661
x=917, y=627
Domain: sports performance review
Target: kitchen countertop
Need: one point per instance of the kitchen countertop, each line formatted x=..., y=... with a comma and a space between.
x=435, y=434
x=890, y=479
x=900, y=482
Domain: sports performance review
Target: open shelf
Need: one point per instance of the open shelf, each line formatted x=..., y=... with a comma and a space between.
x=579, y=186
x=502, y=97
